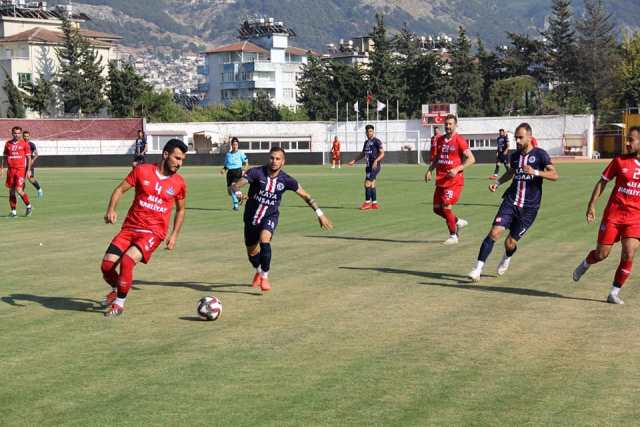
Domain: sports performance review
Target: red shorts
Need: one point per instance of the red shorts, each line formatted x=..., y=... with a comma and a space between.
x=447, y=196
x=335, y=156
x=610, y=233
x=15, y=178
x=146, y=242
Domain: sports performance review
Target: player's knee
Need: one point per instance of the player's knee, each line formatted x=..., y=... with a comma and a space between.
x=495, y=233
x=253, y=250
x=603, y=253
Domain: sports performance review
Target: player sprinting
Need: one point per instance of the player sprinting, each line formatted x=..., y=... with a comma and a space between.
x=335, y=153
x=373, y=153
x=451, y=158
x=26, y=135
x=528, y=166
x=18, y=156
x=157, y=188
x=139, y=149
x=235, y=163
x=502, y=153
x=266, y=186
x=621, y=218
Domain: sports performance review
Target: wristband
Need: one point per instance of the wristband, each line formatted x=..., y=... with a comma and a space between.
x=319, y=212
x=536, y=172
x=498, y=183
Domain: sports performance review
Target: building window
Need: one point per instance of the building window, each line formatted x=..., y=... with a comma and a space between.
x=24, y=79
x=288, y=92
x=159, y=141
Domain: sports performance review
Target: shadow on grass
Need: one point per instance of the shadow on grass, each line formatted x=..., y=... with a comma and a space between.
x=194, y=319
x=203, y=286
x=323, y=207
x=209, y=209
x=54, y=303
x=494, y=205
x=464, y=282
x=374, y=239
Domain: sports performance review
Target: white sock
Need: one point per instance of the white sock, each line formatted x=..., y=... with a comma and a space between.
x=13, y=211
x=453, y=235
x=119, y=301
x=505, y=257
x=614, y=291
x=264, y=274
x=479, y=265
x=29, y=206
x=258, y=270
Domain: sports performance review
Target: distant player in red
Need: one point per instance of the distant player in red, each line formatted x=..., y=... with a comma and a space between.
x=335, y=153
x=621, y=218
x=434, y=143
x=157, y=187
x=18, y=155
x=451, y=158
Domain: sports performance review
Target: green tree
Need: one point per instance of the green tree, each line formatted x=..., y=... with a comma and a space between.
x=314, y=89
x=41, y=96
x=93, y=81
x=490, y=68
x=15, y=107
x=125, y=89
x=513, y=96
x=345, y=87
x=263, y=109
x=293, y=115
x=598, y=57
x=560, y=50
x=160, y=107
x=382, y=73
x=70, y=81
x=525, y=56
x=630, y=71
x=466, y=80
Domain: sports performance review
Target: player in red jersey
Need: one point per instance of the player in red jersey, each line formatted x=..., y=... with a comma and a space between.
x=157, y=187
x=452, y=157
x=621, y=218
x=335, y=153
x=18, y=155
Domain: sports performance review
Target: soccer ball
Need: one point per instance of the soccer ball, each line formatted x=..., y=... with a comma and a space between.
x=209, y=308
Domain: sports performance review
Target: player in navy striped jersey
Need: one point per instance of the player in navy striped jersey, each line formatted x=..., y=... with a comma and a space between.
x=266, y=185
x=528, y=166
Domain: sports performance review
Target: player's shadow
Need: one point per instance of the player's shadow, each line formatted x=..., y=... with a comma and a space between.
x=203, y=286
x=373, y=239
x=207, y=209
x=492, y=205
x=54, y=303
x=323, y=207
x=428, y=274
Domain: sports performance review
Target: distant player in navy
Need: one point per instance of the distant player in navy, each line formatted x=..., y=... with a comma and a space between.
x=34, y=155
x=235, y=163
x=266, y=185
x=528, y=166
x=373, y=153
x=502, y=153
x=139, y=149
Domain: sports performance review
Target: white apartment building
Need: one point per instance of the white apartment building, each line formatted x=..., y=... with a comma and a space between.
x=262, y=62
x=29, y=36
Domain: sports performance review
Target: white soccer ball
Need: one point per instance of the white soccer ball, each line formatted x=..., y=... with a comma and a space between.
x=209, y=308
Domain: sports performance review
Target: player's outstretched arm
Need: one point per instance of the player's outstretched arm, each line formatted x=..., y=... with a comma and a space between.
x=506, y=177
x=359, y=157
x=112, y=216
x=324, y=220
x=177, y=223
x=595, y=195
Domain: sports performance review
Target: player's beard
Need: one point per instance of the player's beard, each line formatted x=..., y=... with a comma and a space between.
x=167, y=170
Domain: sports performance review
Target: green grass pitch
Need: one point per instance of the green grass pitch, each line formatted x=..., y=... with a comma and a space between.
x=372, y=323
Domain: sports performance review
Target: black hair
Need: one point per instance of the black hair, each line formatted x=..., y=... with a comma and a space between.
x=634, y=128
x=26, y=131
x=451, y=116
x=501, y=130
x=15, y=128
x=277, y=149
x=524, y=126
x=174, y=143
x=235, y=139
x=367, y=127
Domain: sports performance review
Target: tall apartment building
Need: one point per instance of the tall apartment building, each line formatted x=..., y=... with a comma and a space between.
x=29, y=36
x=262, y=61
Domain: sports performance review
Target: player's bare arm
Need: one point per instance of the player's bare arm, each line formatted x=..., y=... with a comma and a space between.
x=378, y=159
x=112, y=216
x=324, y=221
x=549, y=172
x=359, y=157
x=469, y=159
x=506, y=177
x=178, y=220
x=598, y=189
x=29, y=165
x=432, y=166
x=34, y=156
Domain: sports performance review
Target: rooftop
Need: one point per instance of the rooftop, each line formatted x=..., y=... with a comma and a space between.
x=41, y=35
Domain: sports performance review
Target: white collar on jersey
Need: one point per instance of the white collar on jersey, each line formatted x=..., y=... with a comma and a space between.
x=161, y=177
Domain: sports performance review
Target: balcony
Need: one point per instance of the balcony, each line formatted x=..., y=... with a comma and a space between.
x=203, y=70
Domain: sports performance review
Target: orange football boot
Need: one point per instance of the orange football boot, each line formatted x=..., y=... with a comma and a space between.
x=265, y=285
x=257, y=279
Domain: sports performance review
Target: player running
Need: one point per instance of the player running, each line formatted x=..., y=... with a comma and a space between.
x=373, y=153
x=157, y=188
x=235, y=163
x=528, y=166
x=335, y=153
x=18, y=155
x=451, y=149
x=621, y=218
x=26, y=135
x=139, y=149
x=502, y=153
x=266, y=185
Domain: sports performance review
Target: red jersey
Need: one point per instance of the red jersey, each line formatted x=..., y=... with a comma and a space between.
x=154, y=199
x=335, y=148
x=16, y=153
x=623, y=206
x=449, y=153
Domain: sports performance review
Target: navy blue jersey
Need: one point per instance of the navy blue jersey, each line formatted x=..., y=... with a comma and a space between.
x=139, y=146
x=525, y=190
x=265, y=193
x=33, y=149
x=371, y=150
x=502, y=144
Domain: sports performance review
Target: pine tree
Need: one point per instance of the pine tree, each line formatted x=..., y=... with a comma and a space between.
x=70, y=81
x=42, y=96
x=560, y=50
x=490, y=68
x=93, y=81
x=383, y=73
x=15, y=109
x=630, y=71
x=125, y=89
x=263, y=109
x=466, y=80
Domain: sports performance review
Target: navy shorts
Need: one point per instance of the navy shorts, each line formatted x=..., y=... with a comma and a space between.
x=252, y=232
x=517, y=220
x=233, y=175
x=502, y=158
x=139, y=159
x=371, y=174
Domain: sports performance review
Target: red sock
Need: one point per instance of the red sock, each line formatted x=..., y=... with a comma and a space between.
x=109, y=272
x=13, y=201
x=126, y=275
x=439, y=212
x=623, y=272
x=25, y=199
x=451, y=219
x=592, y=258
